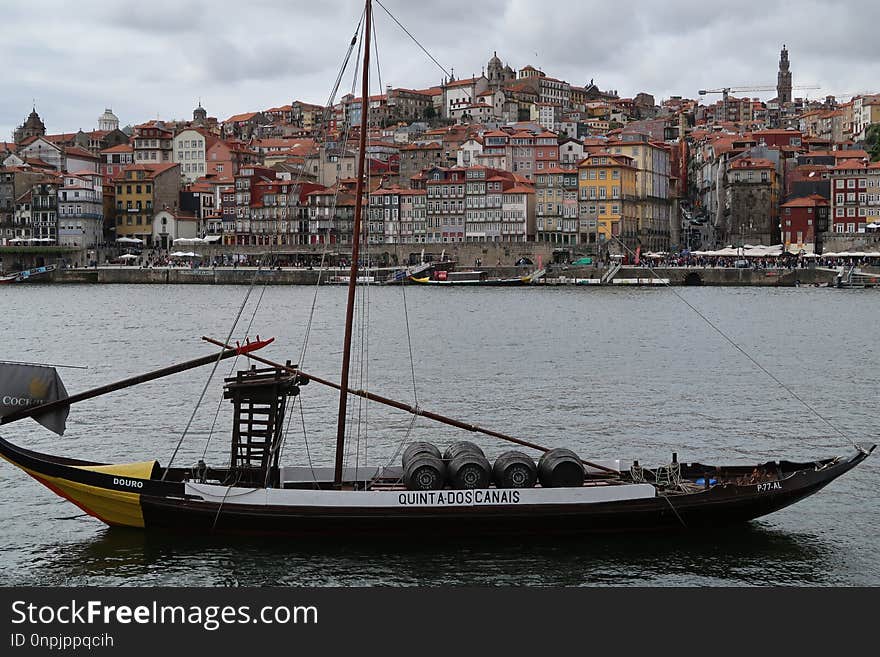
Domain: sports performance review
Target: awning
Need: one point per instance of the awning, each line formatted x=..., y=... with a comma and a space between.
x=129, y=240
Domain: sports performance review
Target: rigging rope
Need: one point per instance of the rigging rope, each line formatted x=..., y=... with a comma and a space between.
x=356, y=40
x=344, y=144
x=211, y=375
x=744, y=352
x=231, y=370
x=416, y=41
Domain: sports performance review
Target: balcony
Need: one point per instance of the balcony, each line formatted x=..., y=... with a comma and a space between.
x=81, y=215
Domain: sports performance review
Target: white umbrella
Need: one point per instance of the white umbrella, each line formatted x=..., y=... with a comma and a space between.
x=130, y=240
x=128, y=256
x=188, y=240
x=183, y=254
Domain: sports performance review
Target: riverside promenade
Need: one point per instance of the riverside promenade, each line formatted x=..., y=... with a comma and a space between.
x=709, y=276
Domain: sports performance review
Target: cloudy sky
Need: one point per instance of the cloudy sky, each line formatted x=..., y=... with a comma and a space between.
x=159, y=57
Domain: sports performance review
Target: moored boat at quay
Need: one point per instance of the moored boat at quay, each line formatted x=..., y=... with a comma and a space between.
x=431, y=493
x=37, y=273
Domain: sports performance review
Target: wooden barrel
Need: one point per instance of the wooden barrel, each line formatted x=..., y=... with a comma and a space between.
x=424, y=472
x=461, y=447
x=561, y=468
x=416, y=448
x=469, y=471
x=514, y=470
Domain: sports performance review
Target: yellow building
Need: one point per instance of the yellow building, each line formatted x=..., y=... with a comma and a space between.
x=654, y=208
x=142, y=190
x=607, y=192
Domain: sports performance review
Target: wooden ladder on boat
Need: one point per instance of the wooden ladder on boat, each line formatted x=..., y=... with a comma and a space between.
x=259, y=398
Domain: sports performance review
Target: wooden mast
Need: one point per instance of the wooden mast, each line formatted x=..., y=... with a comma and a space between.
x=355, y=250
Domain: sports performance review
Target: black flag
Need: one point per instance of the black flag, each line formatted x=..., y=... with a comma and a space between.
x=25, y=386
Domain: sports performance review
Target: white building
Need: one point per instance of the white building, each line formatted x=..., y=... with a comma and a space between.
x=517, y=214
x=170, y=225
x=43, y=149
x=571, y=152
x=479, y=112
x=461, y=93
x=81, y=210
x=189, y=151
x=468, y=152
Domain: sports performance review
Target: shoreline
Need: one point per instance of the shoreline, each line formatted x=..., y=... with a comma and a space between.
x=631, y=276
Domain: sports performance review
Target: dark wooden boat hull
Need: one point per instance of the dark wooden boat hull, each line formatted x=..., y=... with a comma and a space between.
x=120, y=499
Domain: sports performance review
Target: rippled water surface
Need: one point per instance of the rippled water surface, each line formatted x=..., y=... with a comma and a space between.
x=613, y=373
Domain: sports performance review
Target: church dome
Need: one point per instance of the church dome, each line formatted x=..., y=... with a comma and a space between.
x=108, y=121
x=495, y=61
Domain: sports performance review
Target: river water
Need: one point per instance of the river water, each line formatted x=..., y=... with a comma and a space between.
x=612, y=373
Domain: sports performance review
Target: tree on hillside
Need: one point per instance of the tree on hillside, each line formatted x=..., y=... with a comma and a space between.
x=872, y=142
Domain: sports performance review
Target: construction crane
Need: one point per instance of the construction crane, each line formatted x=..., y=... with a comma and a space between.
x=726, y=91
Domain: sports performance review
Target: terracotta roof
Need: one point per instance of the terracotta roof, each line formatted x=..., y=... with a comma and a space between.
x=152, y=169
x=752, y=163
x=777, y=131
x=519, y=189
x=850, y=164
x=30, y=140
x=121, y=148
x=62, y=137
x=421, y=147
x=810, y=201
x=247, y=116
x=462, y=83
x=80, y=153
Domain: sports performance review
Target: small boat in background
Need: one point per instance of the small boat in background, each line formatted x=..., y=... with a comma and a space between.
x=27, y=274
x=475, y=277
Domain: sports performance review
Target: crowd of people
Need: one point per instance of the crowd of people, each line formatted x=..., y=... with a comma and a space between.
x=772, y=262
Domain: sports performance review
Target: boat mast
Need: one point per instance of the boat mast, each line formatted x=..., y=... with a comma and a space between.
x=356, y=231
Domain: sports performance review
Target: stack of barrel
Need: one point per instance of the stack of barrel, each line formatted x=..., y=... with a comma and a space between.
x=464, y=466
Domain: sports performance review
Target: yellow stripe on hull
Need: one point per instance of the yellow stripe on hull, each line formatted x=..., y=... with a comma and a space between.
x=114, y=507
x=110, y=506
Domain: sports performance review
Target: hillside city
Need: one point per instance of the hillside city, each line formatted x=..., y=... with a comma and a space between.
x=504, y=157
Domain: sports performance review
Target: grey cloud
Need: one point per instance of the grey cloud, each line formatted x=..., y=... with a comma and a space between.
x=159, y=57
